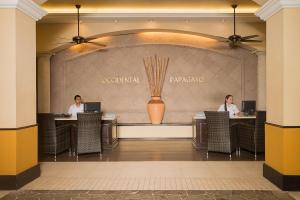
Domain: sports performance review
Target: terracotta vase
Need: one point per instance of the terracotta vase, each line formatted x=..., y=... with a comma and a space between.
x=156, y=110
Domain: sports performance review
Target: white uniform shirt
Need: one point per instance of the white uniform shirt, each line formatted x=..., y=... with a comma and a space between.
x=73, y=110
x=232, y=109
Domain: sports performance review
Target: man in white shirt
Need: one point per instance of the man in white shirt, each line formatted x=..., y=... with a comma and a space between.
x=76, y=107
x=229, y=106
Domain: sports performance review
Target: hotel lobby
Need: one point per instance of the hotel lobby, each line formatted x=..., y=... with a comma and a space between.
x=137, y=99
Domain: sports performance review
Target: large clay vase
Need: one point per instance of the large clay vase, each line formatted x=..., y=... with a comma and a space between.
x=156, y=110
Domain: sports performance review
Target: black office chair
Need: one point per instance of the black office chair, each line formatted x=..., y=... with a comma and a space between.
x=252, y=138
x=52, y=139
x=88, y=133
x=221, y=138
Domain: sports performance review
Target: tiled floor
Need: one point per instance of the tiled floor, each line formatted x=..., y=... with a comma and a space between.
x=155, y=175
x=148, y=195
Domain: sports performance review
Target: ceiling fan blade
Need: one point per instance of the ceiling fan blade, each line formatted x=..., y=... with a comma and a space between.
x=96, y=43
x=249, y=37
x=86, y=53
x=251, y=40
x=90, y=38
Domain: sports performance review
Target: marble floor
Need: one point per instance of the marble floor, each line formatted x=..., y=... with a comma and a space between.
x=148, y=195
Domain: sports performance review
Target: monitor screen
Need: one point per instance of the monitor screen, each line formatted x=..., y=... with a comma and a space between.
x=249, y=107
x=92, y=107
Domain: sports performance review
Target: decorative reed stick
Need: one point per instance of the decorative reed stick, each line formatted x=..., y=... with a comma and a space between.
x=156, y=68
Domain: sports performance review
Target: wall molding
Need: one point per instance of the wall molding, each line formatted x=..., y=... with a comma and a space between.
x=28, y=7
x=188, y=17
x=273, y=6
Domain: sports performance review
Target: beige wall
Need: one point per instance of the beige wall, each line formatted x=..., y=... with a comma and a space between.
x=275, y=69
x=283, y=68
x=261, y=81
x=43, y=70
x=7, y=68
x=224, y=71
x=18, y=104
x=291, y=70
x=26, y=69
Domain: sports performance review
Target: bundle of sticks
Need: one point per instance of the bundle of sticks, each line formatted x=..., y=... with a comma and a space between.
x=156, y=68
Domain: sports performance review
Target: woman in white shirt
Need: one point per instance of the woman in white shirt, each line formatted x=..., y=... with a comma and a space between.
x=76, y=107
x=229, y=106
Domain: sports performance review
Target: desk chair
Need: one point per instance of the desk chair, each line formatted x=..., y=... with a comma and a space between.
x=220, y=136
x=88, y=133
x=252, y=138
x=52, y=139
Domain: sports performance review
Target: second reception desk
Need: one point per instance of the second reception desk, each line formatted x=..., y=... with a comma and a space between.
x=200, y=137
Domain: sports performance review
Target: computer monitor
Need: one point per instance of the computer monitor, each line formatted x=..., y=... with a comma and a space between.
x=249, y=107
x=92, y=107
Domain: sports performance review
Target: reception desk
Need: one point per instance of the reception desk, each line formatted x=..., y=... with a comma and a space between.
x=199, y=125
x=109, y=129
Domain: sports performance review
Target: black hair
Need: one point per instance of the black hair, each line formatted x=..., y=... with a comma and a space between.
x=225, y=104
x=77, y=95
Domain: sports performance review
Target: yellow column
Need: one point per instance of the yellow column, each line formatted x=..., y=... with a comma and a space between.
x=282, y=158
x=18, y=129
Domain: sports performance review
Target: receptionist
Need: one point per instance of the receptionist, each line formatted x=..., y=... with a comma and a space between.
x=229, y=106
x=76, y=107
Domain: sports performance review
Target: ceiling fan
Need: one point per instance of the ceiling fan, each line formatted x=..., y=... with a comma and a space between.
x=78, y=39
x=237, y=40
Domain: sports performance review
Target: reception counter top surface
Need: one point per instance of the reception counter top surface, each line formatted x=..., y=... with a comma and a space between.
x=104, y=117
x=235, y=117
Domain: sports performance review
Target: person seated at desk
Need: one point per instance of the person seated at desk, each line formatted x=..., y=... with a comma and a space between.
x=76, y=107
x=229, y=106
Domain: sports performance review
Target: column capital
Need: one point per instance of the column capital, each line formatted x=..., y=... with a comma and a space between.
x=28, y=7
x=273, y=6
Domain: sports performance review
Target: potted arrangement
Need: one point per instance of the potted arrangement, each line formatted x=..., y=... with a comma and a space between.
x=156, y=68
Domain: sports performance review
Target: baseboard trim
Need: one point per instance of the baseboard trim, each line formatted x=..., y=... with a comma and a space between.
x=13, y=182
x=284, y=182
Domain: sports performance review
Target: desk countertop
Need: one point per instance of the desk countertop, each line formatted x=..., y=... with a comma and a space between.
x=235, y=117
x=104, y=117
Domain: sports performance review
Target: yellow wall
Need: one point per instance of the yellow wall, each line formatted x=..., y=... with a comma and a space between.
x=283, y=150
x=18, y=150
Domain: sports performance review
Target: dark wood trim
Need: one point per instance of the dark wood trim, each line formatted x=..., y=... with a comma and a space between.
x=13, y=182
x=19, y=128
x=149, y=124
x=284, y=182
x=279, y=126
